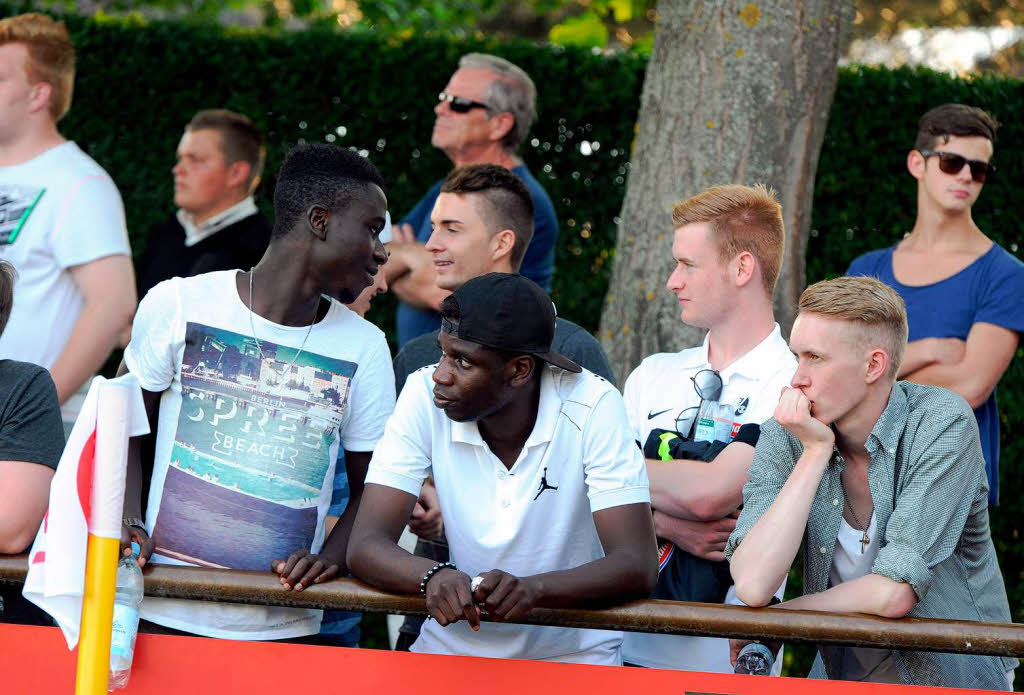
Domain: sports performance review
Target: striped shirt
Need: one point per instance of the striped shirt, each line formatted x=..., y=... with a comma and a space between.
x=926, y=445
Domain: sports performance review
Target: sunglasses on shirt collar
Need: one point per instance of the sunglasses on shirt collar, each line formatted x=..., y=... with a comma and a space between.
x=952, y=164
x=461, y=104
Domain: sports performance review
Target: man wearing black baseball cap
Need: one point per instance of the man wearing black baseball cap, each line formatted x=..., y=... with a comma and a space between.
x=543, y=491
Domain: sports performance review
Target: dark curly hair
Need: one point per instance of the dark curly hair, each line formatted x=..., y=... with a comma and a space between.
x=319, y=175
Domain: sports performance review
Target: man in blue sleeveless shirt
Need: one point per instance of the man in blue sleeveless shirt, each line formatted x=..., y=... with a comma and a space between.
x=964, y=293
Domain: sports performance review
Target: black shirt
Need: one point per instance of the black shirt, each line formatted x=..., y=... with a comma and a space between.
x=239, y=245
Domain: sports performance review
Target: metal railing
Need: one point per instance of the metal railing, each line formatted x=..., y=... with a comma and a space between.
x=666, y=617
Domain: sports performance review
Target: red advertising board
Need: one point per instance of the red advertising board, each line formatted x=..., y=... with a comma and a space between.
x=36, y=661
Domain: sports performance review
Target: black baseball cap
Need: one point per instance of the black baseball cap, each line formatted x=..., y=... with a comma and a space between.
x=507, y=312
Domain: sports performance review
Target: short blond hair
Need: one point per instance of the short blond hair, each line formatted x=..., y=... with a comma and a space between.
x=51, y=57
x=742, y=218
x=872, y=306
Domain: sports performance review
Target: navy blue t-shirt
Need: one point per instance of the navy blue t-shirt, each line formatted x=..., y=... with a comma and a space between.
x=538, y=263
x=989, y=290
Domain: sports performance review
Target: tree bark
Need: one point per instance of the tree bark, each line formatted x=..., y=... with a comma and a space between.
x=735, y=92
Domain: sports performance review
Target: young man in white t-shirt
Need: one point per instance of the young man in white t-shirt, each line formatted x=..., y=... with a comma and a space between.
x=259, y=378
x=542, y=489
x=61, y=219
x=728, y=248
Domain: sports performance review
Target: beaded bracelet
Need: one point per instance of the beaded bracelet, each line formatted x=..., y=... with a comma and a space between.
x=431, y=572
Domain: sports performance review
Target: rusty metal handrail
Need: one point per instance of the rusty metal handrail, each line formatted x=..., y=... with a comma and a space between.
x=668, y=617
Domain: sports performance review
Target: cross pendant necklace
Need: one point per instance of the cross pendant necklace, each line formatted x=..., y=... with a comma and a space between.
x=865, y=540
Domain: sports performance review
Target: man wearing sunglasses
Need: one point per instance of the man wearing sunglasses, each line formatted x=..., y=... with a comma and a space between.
x=483, y=115
x=964, y=293
x=691, y=411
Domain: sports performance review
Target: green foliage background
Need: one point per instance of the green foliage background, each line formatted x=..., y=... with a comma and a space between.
x=139, y=83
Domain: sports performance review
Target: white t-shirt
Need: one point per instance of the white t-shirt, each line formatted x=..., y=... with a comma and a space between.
x=535, y=517
x=851, y=560
x=246, y=440
x=659, y=394
x=57, y=210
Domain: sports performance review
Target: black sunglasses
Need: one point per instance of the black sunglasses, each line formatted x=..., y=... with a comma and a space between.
x=461, y=104
x=952, y=164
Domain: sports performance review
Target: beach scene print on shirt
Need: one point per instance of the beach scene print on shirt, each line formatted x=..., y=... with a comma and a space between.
x=256, y=437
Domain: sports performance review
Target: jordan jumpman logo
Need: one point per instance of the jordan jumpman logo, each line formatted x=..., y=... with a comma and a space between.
x=544, y=483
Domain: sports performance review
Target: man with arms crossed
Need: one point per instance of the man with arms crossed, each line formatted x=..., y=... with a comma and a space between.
x=964, y=293
x=61, y=219
x=883, y=482
x=543, y=491
x=260, y=379
x=727, y=248
x=483, y=116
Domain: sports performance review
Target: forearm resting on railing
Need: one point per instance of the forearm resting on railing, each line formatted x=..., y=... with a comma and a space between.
x=668, y=617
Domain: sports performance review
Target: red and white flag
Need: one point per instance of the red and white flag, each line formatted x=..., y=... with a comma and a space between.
x=86, y=496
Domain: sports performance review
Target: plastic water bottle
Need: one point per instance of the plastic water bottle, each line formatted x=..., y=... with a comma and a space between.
x=755, y=659
x=127, y=600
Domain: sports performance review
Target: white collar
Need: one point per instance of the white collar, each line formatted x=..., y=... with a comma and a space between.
x=194, y=233
x=751, y=364
x=548, y=409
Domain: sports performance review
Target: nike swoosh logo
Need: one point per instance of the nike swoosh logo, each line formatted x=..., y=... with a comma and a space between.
x=651, y=416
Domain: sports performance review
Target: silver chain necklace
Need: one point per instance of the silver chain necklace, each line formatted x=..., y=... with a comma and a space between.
x=865, y=540
x=252, y=327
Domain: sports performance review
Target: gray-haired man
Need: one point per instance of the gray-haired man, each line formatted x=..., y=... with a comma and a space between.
x=483, y=115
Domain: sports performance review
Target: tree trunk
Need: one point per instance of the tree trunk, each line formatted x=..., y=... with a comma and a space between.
x=735, y=92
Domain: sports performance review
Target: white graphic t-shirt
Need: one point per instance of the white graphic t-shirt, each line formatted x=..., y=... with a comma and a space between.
x=248, y=435
x=57, y=210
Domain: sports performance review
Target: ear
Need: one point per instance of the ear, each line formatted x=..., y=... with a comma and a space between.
x=39, y=99
x=878, y=365
x=501, y=244
x=744, y=268
x=238, y=174
x=501, y=124
x=317, y=217
x=519, y=370
x=916, y=164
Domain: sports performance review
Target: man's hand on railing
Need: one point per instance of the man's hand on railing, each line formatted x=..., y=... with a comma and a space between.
x=303, y=569
x=450, y=598
x=136, y=534
x=507, y=597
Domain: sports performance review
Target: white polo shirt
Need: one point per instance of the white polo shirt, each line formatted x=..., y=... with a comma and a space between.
x=581, y=447
x=657, y=394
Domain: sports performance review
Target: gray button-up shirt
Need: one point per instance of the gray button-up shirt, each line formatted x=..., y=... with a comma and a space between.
x=936, y=539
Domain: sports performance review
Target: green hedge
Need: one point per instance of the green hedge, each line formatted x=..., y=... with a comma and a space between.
x=865, y=199
x=139, y=83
